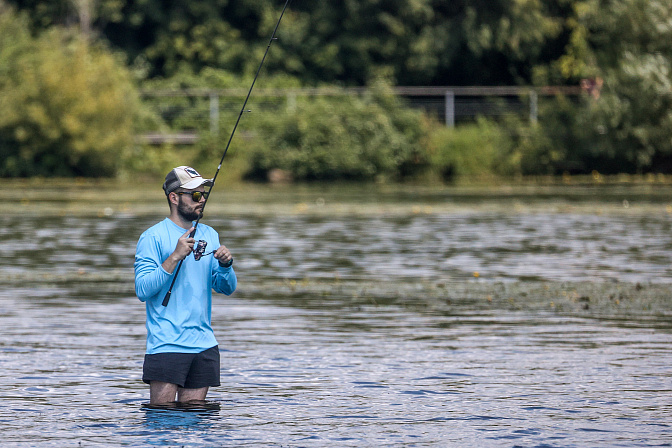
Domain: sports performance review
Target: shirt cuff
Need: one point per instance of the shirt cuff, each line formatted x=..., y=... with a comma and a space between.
x=226, y=265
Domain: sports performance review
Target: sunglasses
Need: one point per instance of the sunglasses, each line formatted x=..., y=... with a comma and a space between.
x=195, y=195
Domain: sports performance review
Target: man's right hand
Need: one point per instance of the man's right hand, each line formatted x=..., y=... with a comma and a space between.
x=185, y=246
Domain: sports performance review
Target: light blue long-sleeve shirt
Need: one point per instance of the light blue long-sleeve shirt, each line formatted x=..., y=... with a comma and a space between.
x=184, y=326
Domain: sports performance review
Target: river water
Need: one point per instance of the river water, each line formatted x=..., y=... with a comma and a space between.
x=514, y=324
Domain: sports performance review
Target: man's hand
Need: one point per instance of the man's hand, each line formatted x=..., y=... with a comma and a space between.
x=223, y=255
x=185, y=246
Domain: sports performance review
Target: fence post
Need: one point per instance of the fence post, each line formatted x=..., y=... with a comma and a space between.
x=450, y=108
x=534, y=106
x=291, y=101
x=214, y=113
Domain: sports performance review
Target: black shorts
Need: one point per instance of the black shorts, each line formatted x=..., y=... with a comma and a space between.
x=187, y=370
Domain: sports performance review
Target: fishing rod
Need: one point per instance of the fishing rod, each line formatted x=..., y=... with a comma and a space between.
x=166, y=299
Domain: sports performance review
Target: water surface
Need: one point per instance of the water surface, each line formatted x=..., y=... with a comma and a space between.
x=442, y=321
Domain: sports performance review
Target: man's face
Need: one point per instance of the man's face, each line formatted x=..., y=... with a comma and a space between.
x=189, y=209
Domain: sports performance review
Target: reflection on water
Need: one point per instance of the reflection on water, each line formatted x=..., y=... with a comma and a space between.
x=497, y=246
x=380, y=362
x=173, y=416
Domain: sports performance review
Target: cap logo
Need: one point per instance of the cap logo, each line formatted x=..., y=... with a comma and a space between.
x=192, y=172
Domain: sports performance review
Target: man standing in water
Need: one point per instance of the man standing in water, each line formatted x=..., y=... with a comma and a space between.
x=182, y=358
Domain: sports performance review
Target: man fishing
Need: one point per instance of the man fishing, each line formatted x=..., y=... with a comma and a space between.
x=182, y=357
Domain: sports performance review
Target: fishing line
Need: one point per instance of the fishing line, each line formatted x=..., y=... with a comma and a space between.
x=166, y=299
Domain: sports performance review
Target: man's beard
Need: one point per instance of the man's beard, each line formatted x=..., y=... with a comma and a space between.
x=188, y=215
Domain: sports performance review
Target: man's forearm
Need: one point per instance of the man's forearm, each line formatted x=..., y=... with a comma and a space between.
x=171, y=263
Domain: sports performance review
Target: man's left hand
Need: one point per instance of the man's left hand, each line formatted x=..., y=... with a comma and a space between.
x=223, y=255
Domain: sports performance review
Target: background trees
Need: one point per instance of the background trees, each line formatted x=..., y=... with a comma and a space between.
x=632, y=51
x=412, y=42
x=67, y=106
x=622, y=48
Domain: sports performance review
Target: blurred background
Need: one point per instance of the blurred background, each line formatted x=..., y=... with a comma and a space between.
x=403, y=90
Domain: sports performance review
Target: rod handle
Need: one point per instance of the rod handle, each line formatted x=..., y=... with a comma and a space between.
x=166, y=299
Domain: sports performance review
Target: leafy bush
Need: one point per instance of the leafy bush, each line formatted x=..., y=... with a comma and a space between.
x=623, y=124
x=470, y=150
x=67, y=106
x=338, y=137
x=582, y=135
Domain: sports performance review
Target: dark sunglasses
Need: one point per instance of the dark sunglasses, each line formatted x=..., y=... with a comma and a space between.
x=195, y=195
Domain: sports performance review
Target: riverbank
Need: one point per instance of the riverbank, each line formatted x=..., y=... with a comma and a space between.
x=104, y=197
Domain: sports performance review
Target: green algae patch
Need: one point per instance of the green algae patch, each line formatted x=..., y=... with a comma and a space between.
x=589, y=299
x=607, y=299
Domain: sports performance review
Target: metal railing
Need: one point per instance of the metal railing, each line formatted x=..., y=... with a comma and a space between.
x=190, y=112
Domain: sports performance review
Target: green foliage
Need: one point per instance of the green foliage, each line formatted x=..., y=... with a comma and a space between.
x=192, y=112
x=553, y=145
x=633, y=52
x=626, y=126
x=338, y=137
x=472, y=150
x=414, y=42
x=218, y=44
x=67, y=107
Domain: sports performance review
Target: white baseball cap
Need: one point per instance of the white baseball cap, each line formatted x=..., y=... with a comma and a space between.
x=183, y=177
